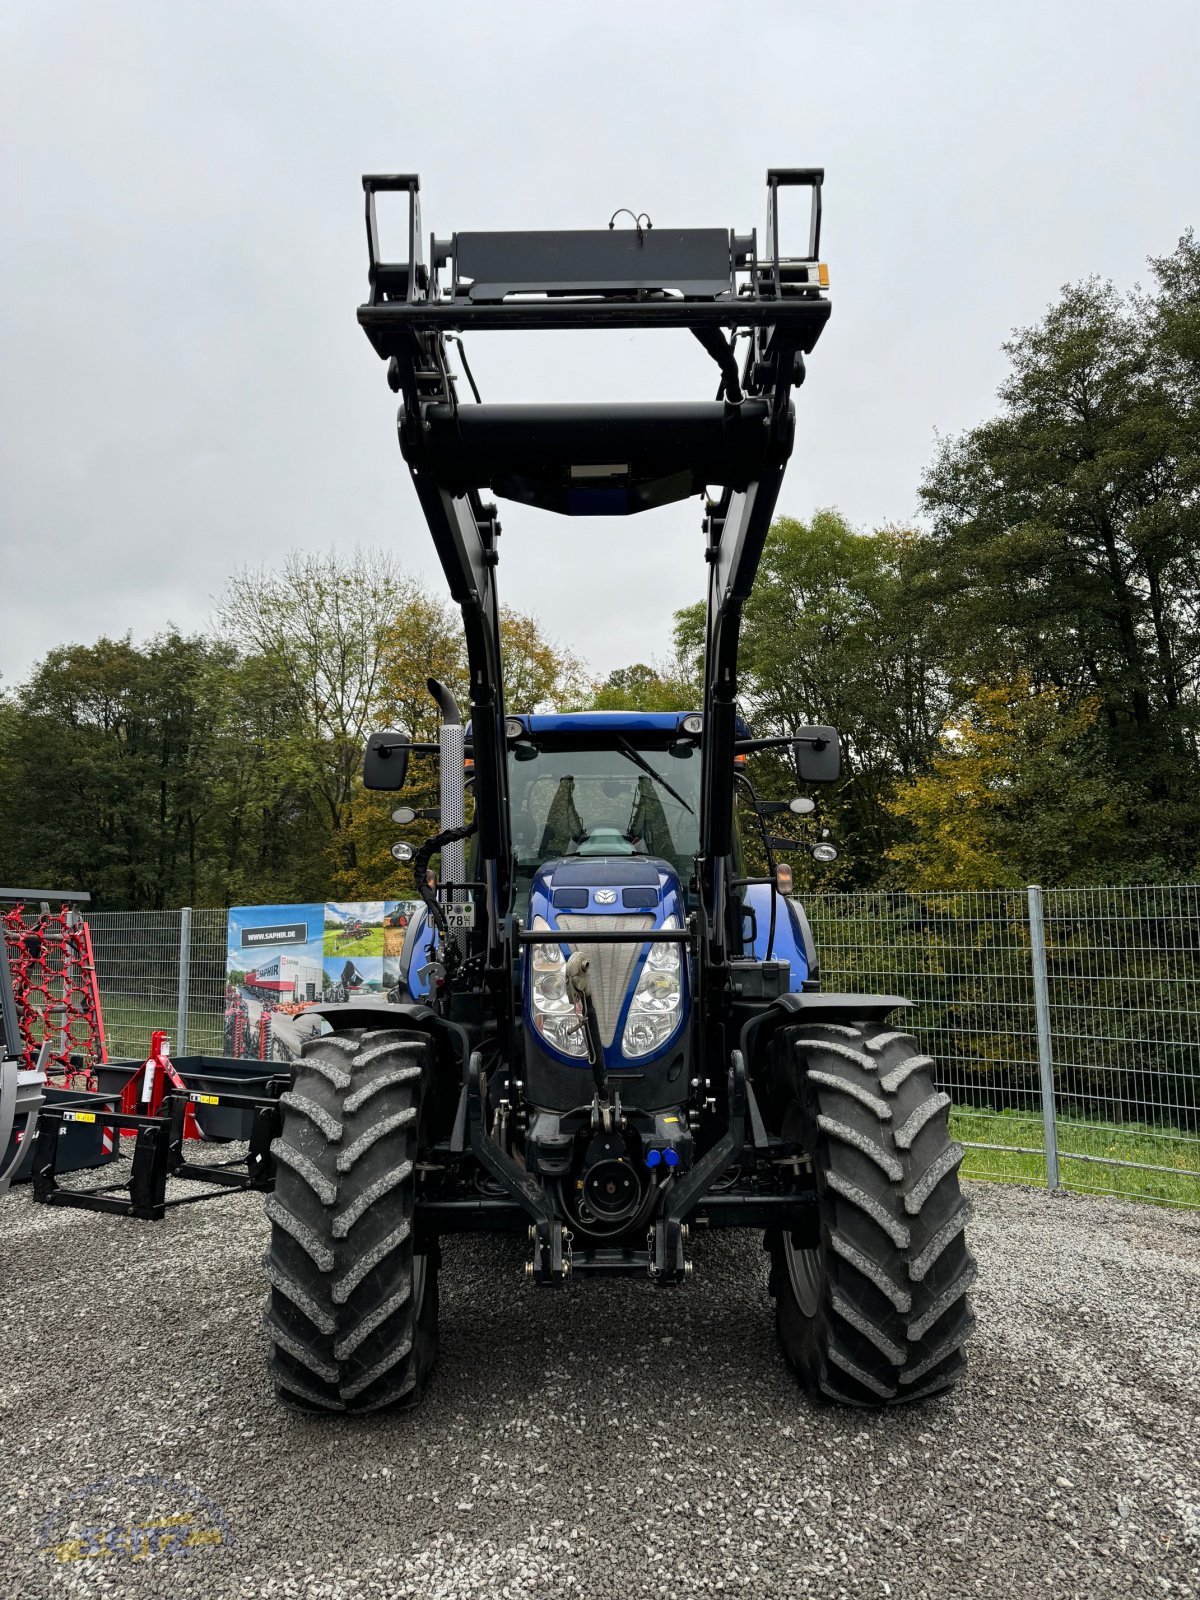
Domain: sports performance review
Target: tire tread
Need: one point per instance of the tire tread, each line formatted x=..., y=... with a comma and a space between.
x=345, y=1329
x=891, y=1314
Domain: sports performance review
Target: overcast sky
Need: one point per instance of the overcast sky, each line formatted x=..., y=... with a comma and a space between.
x=184, y=389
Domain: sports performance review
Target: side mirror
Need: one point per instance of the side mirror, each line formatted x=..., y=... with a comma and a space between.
x=818, y=755
x=385, y=764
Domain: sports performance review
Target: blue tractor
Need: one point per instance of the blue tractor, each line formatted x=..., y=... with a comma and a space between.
x=607, y=1032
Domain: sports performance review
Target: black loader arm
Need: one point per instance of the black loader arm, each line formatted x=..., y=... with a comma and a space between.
x=756, y=311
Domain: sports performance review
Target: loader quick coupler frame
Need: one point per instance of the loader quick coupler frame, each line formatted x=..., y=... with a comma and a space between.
x=158, y=1152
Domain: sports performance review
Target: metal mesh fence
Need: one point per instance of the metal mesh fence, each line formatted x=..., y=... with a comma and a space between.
x=1124, y=991
x=1119, y=1037
x=206, y=984
x=1117, y=1032
x=137, y=967
x=141, y=957
x=965, y=960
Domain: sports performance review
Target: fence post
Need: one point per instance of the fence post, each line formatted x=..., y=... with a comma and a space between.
x=1041, y=1011
x=185, y=963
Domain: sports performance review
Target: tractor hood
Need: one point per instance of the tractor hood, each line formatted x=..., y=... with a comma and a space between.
x=640, y=991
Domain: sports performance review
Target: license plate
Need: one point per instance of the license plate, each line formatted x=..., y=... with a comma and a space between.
x=460, y=914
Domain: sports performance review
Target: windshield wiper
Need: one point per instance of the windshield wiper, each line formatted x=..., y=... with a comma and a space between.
x=627, y=750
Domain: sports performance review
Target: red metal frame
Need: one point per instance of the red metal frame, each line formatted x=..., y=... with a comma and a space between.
x=56, y=992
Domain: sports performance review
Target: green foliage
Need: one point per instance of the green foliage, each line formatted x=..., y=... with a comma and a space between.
x=119, y=771
x=1060, y=571
x=320, y=627
x=834, y=634
x=646, y=688
x=1066, y=537
x=1018, y=793
x=219, y=771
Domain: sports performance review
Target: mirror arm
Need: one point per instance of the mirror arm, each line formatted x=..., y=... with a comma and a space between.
x=759, y=809
x=745, y=747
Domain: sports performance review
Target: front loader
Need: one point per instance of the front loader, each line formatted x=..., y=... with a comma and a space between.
x=607, y=1034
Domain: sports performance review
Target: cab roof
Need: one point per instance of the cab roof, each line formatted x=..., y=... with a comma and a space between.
x=628, y=722
x=603, y=721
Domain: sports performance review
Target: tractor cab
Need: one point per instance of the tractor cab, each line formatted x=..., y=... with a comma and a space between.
x=612, y=795
x=604, y=784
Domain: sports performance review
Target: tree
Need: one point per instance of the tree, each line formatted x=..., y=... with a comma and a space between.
x=663, y=687
x=266, y=839
x=1018, y=793
x=834, y=634
x=1064, y=535
x=322, y=624
x=425, y=640
x=108, y=759
x=540, y=674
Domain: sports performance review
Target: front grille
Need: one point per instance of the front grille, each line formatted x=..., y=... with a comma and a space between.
x=612, y=964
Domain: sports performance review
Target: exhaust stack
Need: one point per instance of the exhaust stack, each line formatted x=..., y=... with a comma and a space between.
x=452, y=783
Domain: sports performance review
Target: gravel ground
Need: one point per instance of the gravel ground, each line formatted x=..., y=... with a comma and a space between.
x=605, y=1441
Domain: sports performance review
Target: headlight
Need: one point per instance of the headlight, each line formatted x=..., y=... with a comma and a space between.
x=554, y=1014
x=657, y=1002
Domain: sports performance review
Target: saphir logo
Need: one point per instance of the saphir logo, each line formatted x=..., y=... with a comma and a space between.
x=134, y=1518
x=276, y=933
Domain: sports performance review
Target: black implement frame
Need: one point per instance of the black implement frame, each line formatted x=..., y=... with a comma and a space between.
x=158, y=1153
x=601, y=460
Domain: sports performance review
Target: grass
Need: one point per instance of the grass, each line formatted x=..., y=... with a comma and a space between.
x=128, y=1026
x=336, y=943
x=1174, y=1154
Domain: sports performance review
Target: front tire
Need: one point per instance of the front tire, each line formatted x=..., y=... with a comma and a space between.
x=352, y=1317
x=872, y=1310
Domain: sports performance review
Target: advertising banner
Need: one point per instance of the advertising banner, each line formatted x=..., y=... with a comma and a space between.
x=282, y=959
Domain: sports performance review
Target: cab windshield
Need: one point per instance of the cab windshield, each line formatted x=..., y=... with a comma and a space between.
x=626, y=798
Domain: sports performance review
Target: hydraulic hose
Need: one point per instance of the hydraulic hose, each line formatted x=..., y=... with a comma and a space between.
x=719, y=348
x=421, y=870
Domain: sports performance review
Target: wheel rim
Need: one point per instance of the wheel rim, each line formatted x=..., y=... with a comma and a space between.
x=804, y=1274
x=418, y=1284
x=803, y=1263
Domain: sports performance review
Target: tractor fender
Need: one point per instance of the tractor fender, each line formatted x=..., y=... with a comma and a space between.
x=451, y=1039
x=796, y=1007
